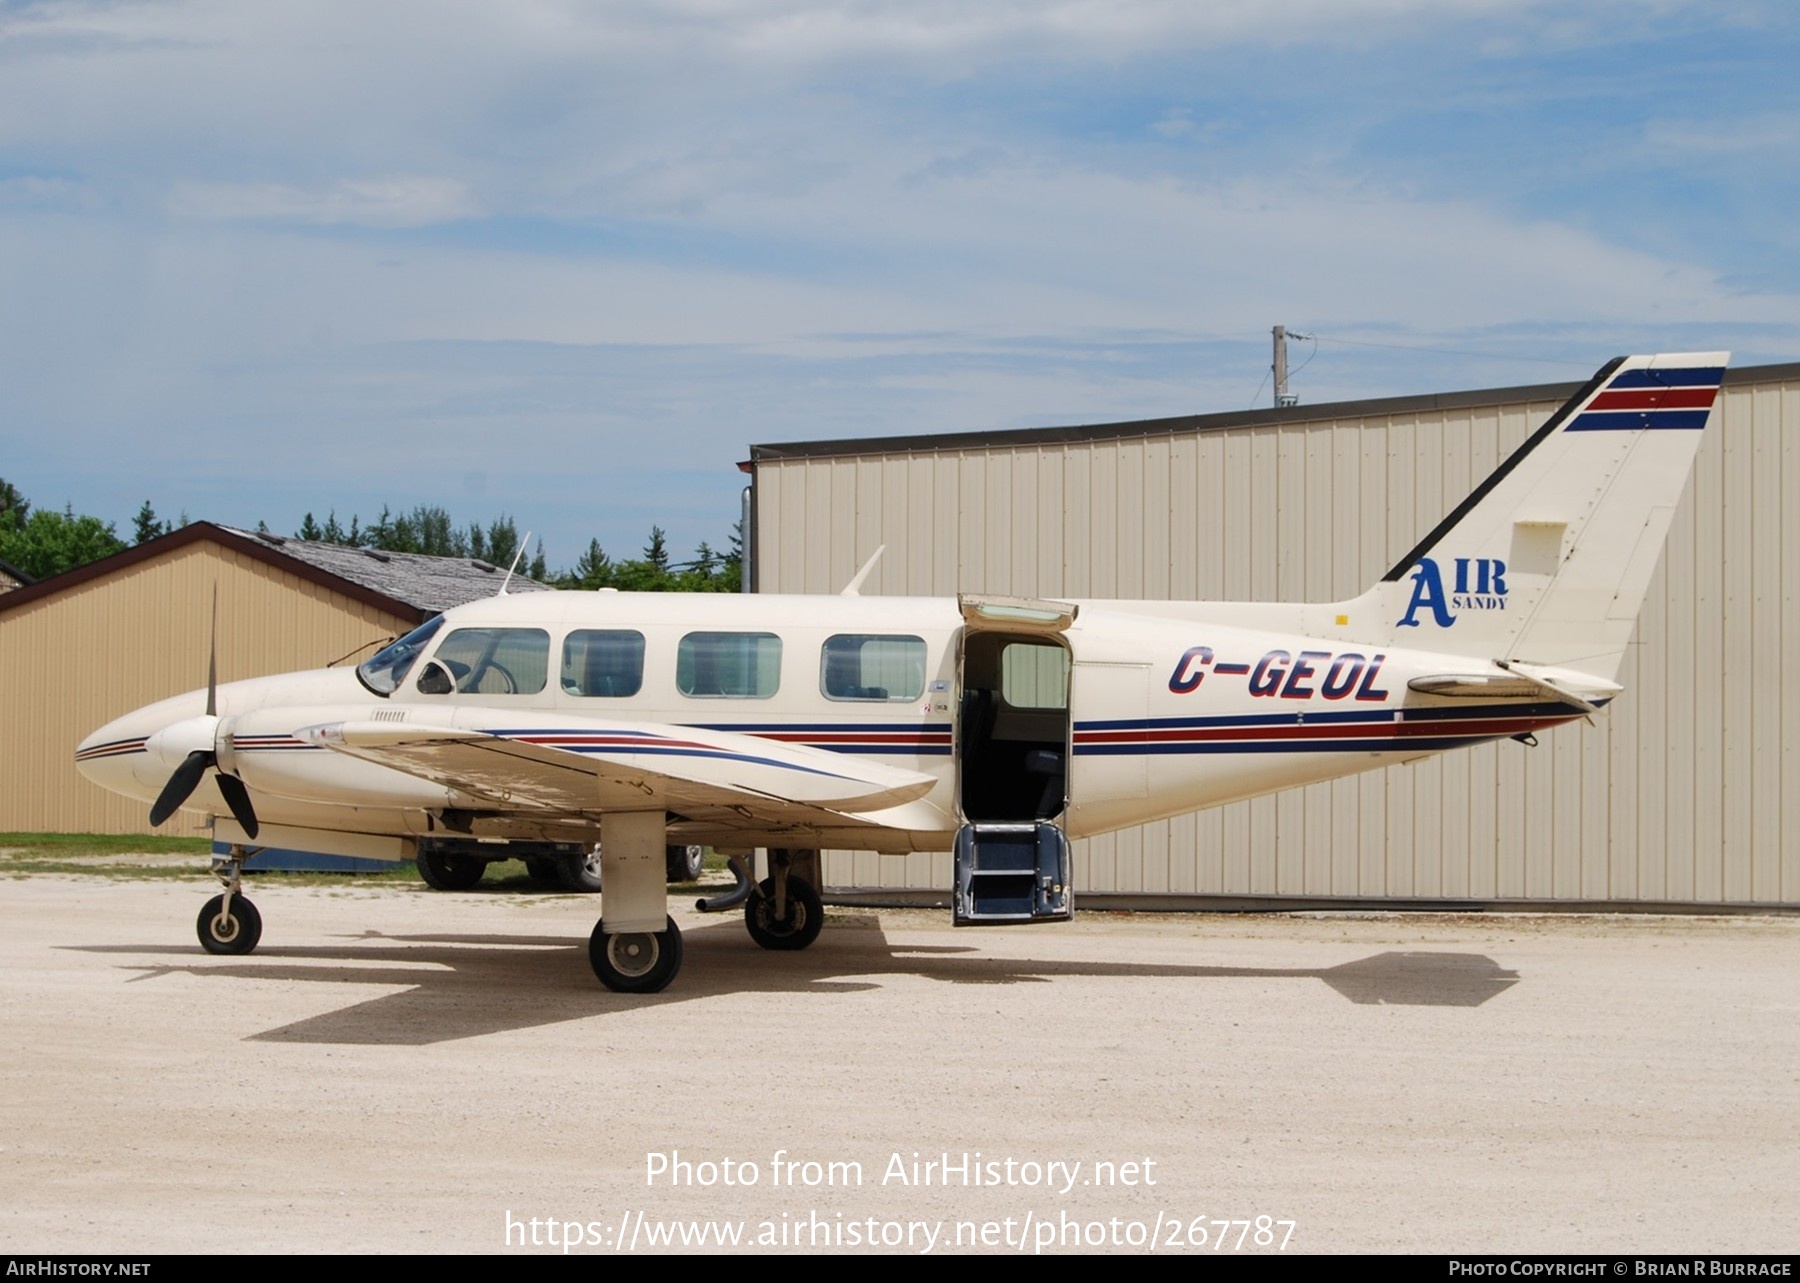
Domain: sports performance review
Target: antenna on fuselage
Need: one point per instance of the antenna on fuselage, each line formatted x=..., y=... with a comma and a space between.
x=854, y=587
x=523, y=545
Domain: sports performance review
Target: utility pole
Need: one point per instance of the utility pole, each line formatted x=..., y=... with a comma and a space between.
x=1283, y=397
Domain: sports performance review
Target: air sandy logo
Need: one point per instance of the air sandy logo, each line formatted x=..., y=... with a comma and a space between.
x=1480, y=584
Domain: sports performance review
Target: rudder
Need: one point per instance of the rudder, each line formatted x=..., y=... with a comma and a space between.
x=1546, y=563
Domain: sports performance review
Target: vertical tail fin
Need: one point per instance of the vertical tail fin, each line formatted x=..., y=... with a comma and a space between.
x=1546, y=564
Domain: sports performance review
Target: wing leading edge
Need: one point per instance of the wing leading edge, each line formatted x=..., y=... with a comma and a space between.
x=571, y=767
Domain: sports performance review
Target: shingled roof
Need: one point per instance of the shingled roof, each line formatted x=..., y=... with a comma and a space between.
x=403, y=583
x=429, y=584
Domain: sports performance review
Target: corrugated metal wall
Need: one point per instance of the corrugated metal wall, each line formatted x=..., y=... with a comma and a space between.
x=1687, y=790
x=75, y=660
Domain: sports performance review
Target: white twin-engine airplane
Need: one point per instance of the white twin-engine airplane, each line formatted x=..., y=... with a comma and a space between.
x=997, y=728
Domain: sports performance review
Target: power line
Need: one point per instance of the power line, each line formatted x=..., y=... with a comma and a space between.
x=1444, y=351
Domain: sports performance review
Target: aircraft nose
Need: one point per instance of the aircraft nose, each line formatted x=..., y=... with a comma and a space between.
x=117, y=758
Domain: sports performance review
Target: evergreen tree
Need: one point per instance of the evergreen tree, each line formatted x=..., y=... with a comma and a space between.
x=656, y=552
x=146, y=527
x=502, y=542
x=733, y=569
x=380, y=532
x=13, y=506
x=594, y=569
x=309, y=530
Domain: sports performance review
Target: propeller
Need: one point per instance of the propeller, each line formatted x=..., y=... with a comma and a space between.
x=202, y=734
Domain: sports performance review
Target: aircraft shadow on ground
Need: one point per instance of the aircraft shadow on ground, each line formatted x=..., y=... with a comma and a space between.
x=450, y=986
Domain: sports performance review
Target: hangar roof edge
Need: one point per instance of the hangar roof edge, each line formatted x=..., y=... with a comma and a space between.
x=1076, y=433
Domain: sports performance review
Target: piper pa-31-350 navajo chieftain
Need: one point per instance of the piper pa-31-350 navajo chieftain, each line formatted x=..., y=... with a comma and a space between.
x=996, y=728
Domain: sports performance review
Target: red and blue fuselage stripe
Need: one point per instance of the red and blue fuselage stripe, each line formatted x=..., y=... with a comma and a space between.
x=1391, y=730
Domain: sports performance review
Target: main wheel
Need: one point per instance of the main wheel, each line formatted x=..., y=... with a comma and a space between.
x=445, y=872
x=579, y=872
x=636, y=961
x=685, y=863
x=542, y=871
x=236, y=932
x=805, y=915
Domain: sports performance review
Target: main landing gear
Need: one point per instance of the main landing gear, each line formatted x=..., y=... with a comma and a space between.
x=229, y=923
x=782, y=912
x=636, y=961
x=785, y=913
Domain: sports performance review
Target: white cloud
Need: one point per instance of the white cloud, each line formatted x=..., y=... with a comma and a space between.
x=393, y=201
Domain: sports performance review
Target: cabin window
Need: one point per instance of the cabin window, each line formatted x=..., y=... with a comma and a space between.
x=1034, y=674
x=384, y=672
x=728, y=665
x=861, y=666
x=496, y=661
x=604, y=662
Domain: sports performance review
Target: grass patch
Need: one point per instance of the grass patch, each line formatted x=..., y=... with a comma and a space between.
x=171, y=859
x=41, y=845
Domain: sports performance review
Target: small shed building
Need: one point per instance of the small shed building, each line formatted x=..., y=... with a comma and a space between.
x=81, y=648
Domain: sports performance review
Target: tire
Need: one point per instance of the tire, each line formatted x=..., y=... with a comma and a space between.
x=580, y=873
x=636, y=962
x=542, y=871
x=237, y=934
x=805, y=916
x=685, y=863
x=445, y=872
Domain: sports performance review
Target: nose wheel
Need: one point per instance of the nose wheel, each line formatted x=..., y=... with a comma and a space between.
x=229, y=928
x=229, y=923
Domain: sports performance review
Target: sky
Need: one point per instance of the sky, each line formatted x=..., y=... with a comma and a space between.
x=569, y=261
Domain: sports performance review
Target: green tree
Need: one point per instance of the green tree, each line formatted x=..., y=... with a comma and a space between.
x=594, y=569
x=309, y=530
x=502, y=542
x=146, y=527
x=13, y=505
x=48, y=543
x=656, y=552
x=435, y=534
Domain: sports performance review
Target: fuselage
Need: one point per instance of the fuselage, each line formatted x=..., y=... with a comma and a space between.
x=1122, y=714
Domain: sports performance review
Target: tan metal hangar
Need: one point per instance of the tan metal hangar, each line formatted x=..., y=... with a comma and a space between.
x=1686, y=792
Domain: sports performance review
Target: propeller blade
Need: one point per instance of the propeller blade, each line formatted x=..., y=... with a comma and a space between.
x=237, y=797
x=181, y=785
x=212, y=658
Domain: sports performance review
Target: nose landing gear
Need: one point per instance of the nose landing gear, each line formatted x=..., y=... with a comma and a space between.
x=229, y=923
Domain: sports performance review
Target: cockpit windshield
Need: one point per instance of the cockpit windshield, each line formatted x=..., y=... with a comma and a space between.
x=390, y=664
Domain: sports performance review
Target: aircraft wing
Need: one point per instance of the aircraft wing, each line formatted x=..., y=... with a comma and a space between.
x=574, y=767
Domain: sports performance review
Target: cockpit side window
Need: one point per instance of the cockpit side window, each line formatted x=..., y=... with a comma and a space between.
x=388, y=668
x=495, y=661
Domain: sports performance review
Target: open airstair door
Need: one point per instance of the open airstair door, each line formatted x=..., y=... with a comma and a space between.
x=1012, y=758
